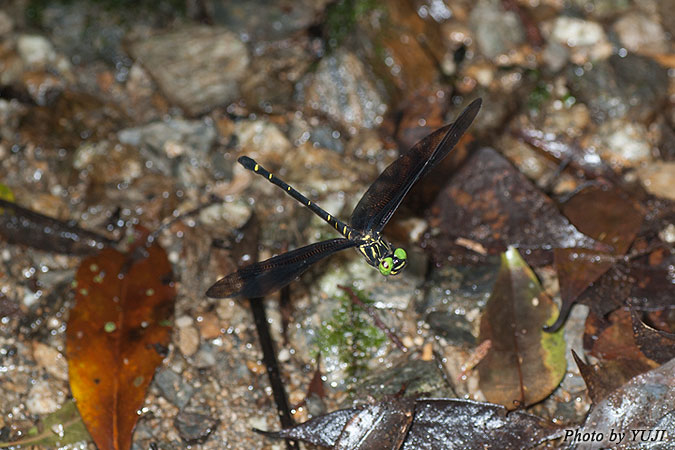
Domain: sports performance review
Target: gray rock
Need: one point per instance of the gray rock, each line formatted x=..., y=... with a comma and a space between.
x=176, y=147
x=343, y=89
x=266, y=19
x=602, y=9
x=275, y=69
x=416, y=376
x=198, y=68
x=633, y=86
x=205, y=356
x=194, y=428
x=666, y=8
x=88, y=32
x=496, y=31
x=6, y=24
x=173, y=387
x=453, y=296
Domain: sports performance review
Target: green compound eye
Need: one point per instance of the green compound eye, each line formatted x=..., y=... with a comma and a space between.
x=386, y=265
x=400, y=254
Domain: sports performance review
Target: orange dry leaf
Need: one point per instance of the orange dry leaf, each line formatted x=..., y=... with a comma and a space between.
x=117, y=333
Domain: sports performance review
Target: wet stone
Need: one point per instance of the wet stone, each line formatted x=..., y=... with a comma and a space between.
x=602, y=9
x=205, y=357
x=188, y=340
x=659, y=178
x=275, y=68
x=633, y=86
x=415, y=376
x=214, y=61
x=173, y=387
x=343, y=89
x=666, y=8
x=496, y=31
x=86, y=31
x=454, y=295
x=195, y=428
x=261, y=140
x=44, y=398
x=585, y=39
x=51, y=360
x=638, y=33
x=35, y=51
x=174, y=146
x=262, y=19
x=623, y=144
x=6, y=23
x=107, y=162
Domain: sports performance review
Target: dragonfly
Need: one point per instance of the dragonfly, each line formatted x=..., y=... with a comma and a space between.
x=369, y=217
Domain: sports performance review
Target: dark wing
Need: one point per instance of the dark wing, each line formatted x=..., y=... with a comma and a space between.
x=386, y=193
x=262, y=278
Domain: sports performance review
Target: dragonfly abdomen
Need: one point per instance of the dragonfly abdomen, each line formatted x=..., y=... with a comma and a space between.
x=253, y=166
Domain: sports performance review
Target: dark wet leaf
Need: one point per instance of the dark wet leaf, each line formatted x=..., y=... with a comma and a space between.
x=524, y=364
x=323, y=430
x=115, y=338
x=58, y=429
x=607, y=215
x=606, y=376
x=611, y=341
x=646, y=402
x=454, y=424
x=316, y=384
x=615, y=339
x=656, y=344
x=19, y=225
x=439, y=424
x=382, y=426
x=644, y=283
x=489, y=202
x=577, y=269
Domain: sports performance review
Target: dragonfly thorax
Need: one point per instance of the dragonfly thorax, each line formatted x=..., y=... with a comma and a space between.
x=380, y=254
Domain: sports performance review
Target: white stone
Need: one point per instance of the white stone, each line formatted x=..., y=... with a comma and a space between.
x=184, y=321
x=659, y=179
x=624, y=144
x=35, y=51
x=575, y=32
x=42, y=399
x=640, y=34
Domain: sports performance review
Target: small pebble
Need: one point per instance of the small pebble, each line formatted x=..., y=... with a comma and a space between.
x=188, y=340
x=284, y=355
x=184, y=321
x=194, y=428
x=659, y=178
x=209, y=326
x=42, y=399
x=51, y=360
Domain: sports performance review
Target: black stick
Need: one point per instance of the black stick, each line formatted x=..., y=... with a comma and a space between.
x=272, y=367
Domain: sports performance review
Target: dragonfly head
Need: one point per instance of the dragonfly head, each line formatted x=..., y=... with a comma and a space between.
x=393, y=263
